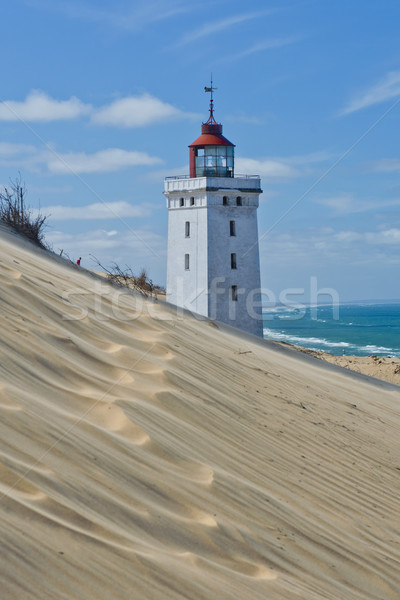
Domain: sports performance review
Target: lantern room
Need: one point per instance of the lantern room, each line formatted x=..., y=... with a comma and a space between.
x=211, y=155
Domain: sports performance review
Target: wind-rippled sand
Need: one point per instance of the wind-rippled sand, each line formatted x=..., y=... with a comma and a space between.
x=150, y=456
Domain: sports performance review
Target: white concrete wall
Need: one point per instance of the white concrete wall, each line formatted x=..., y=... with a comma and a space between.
x=187, y=288
x=247, y=274
x=206, y=287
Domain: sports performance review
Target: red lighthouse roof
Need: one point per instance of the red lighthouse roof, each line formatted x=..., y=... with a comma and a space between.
x=211, y=136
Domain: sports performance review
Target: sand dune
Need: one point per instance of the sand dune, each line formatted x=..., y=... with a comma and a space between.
x=150, y=455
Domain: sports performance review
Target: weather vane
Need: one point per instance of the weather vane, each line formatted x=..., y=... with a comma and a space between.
x=210, y=90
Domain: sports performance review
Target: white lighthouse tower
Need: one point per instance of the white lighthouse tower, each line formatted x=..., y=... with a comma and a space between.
x=213, y=266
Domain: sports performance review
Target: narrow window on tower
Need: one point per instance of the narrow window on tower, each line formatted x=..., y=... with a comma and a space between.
x=225, y=201
x=187, y=262
x=232, y=228
x=187, y=229
x=181, y=201
x=239, y=201
x=233, y=261
x=234, y=294
x=192, y=201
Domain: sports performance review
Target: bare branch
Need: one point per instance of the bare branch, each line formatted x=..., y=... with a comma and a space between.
x=126, y=278
x=14, y=212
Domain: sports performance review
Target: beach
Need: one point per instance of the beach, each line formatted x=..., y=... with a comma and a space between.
x=382, y=367
x=386, y=368
x=149, y=454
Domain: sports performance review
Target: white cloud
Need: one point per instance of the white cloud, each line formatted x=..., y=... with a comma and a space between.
x=385, y=237
x=112, y=159
x=10, y=149
x=313, y=157
x=267, y=168
x=98, y=210
x=160, y=174
x=323, y=247
x=21, y=156
x=133, y=19
x=386, y=89
x=38, y=106
x=27, y=157
x=132, y=111
x=216, y=26
x=386, y=165
x=138, y=111
x=281, y=168
x=346, y=204
x=270, y=44
x=136, y=248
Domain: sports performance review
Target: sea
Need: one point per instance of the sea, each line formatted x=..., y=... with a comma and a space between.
x=358, y=329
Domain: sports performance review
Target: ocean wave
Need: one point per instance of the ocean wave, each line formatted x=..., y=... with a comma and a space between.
x=372, y=349
x=297, y=340
x=361, y=330
x=322, y=344
x=281, y=309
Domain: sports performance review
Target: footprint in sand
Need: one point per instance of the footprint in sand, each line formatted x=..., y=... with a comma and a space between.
x=7, y=403
x=124, y=377
x=189, y=470
x=237, y=567
x=203, y=518
x=112, y=348
x=146, y=367
x=112, y=418
x=73, y=518
x=197, y=472
x=16, y=486
x=12, y=273
x=116, y=377
x=253, y=571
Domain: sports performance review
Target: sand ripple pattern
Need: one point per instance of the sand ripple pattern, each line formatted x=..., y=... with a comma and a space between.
x=158, y=457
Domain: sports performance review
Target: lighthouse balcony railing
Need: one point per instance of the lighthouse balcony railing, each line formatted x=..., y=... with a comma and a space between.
x=237, y=176
x=177, y=183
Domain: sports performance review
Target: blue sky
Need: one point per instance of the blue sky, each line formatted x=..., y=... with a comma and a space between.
x=99, y=103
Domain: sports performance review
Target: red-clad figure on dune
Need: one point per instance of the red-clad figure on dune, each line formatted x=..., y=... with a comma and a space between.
x=78, y=262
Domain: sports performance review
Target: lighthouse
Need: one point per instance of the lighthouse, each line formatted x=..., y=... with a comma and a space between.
x=213, y=266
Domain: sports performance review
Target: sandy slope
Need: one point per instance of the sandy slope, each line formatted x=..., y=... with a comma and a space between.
x=153, y=456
